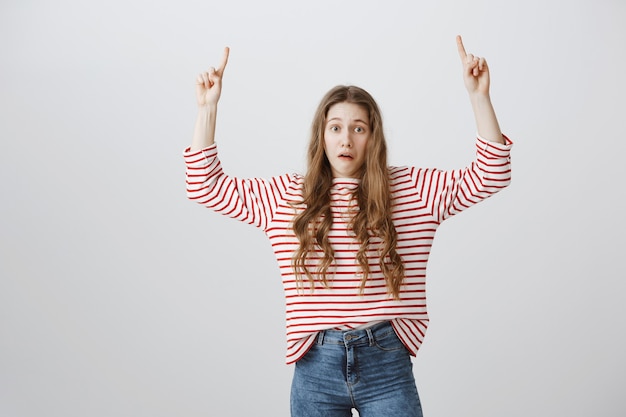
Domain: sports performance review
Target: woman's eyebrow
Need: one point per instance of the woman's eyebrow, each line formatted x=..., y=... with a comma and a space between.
x=341, y=120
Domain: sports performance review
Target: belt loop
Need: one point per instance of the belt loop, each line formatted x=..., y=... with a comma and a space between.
x=370, y=336
x=320, y=337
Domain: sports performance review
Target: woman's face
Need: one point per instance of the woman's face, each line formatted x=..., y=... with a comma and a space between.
x=346, y=134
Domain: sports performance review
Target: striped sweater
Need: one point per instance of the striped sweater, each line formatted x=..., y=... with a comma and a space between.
x=422, y=199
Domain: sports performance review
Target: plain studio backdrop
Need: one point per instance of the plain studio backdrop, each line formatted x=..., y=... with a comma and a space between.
x=119, y=297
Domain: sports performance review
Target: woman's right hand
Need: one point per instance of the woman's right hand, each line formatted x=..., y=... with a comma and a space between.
x=209, y=83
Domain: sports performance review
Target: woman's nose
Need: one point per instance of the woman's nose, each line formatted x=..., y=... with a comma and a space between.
x=346, y=140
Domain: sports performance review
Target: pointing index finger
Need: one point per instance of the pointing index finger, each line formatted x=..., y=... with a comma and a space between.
x=461, y=48
x=224, y=59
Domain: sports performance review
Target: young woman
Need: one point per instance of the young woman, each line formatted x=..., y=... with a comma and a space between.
x=352, y=238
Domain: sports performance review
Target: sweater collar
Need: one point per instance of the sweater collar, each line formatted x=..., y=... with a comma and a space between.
x=346, y=183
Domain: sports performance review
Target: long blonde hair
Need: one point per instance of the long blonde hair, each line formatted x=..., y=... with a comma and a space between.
x=373, y=196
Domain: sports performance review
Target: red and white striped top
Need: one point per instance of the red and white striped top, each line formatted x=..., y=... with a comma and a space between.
x=422, y=199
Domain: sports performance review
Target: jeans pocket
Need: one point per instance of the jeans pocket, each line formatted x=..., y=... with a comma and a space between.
x=389, y=342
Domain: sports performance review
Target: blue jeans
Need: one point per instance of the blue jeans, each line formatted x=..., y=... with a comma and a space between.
x=369, y=370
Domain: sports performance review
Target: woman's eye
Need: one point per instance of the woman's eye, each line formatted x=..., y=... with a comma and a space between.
x=359, y=129
x=334, y=128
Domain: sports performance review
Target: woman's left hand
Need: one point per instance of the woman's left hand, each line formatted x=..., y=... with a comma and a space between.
x=475, y=70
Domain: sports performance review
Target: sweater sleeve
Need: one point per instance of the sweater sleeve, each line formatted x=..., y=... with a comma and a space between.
x=253, y=201
x=447, y=193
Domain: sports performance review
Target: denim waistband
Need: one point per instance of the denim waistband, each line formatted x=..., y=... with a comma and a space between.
x=360, y=337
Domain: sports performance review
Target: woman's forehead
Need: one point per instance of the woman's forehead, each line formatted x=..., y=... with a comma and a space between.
x=346, y=111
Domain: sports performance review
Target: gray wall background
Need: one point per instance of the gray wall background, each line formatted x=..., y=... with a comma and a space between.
x=119, y=297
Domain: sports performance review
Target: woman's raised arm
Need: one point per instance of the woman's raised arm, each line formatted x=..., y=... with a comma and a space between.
x=208, y=91
x=476, y=78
